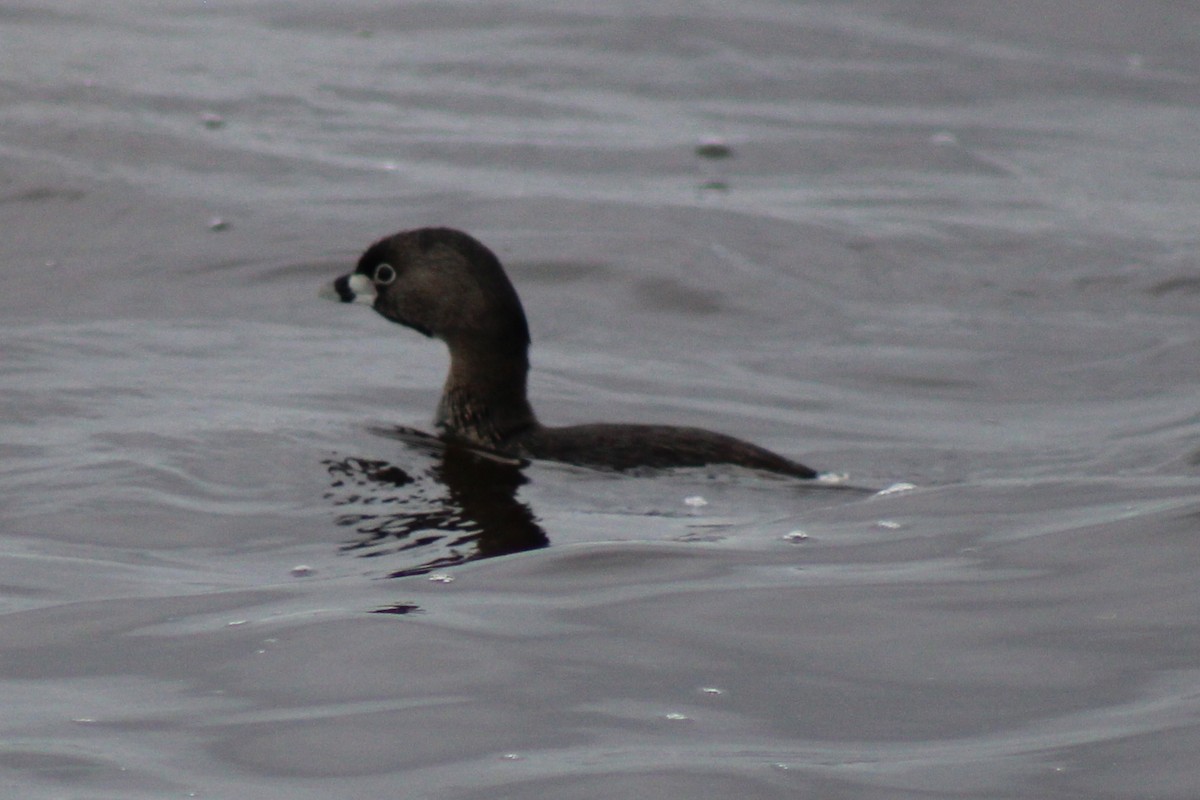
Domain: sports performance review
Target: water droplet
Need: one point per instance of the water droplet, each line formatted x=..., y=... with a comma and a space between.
x=795, y=536
x=714, y=147
x=695, y=501
x=896, y=488
x=399, y=609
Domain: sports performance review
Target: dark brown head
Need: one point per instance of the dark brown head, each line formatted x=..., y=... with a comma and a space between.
x=442, y=283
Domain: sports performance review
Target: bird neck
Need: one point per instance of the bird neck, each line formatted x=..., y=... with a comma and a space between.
x=485, y=400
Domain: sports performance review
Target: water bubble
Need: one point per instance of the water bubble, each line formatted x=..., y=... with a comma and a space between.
x=302, y=571
x=695, y=501
x=888, y=524
x=711, y=690
x=441, y=577
x=795, y=536
x=675, y=716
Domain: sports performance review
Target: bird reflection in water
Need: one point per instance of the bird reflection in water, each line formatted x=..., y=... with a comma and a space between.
x=463, y=508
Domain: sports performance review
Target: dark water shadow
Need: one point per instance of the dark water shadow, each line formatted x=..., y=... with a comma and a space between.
x=462, y=508
x=454, y=504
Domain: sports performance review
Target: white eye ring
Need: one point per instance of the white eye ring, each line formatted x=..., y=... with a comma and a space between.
x=384, y=274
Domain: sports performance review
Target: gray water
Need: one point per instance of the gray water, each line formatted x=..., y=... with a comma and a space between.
x=953, y=245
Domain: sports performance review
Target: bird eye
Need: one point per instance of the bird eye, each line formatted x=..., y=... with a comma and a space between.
x=384, y=274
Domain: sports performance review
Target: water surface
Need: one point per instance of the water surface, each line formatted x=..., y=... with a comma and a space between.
x=950, y=244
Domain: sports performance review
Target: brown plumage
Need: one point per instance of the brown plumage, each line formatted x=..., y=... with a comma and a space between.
x=447, y=285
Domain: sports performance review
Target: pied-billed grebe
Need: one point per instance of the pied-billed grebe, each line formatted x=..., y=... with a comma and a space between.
x=448, y=285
